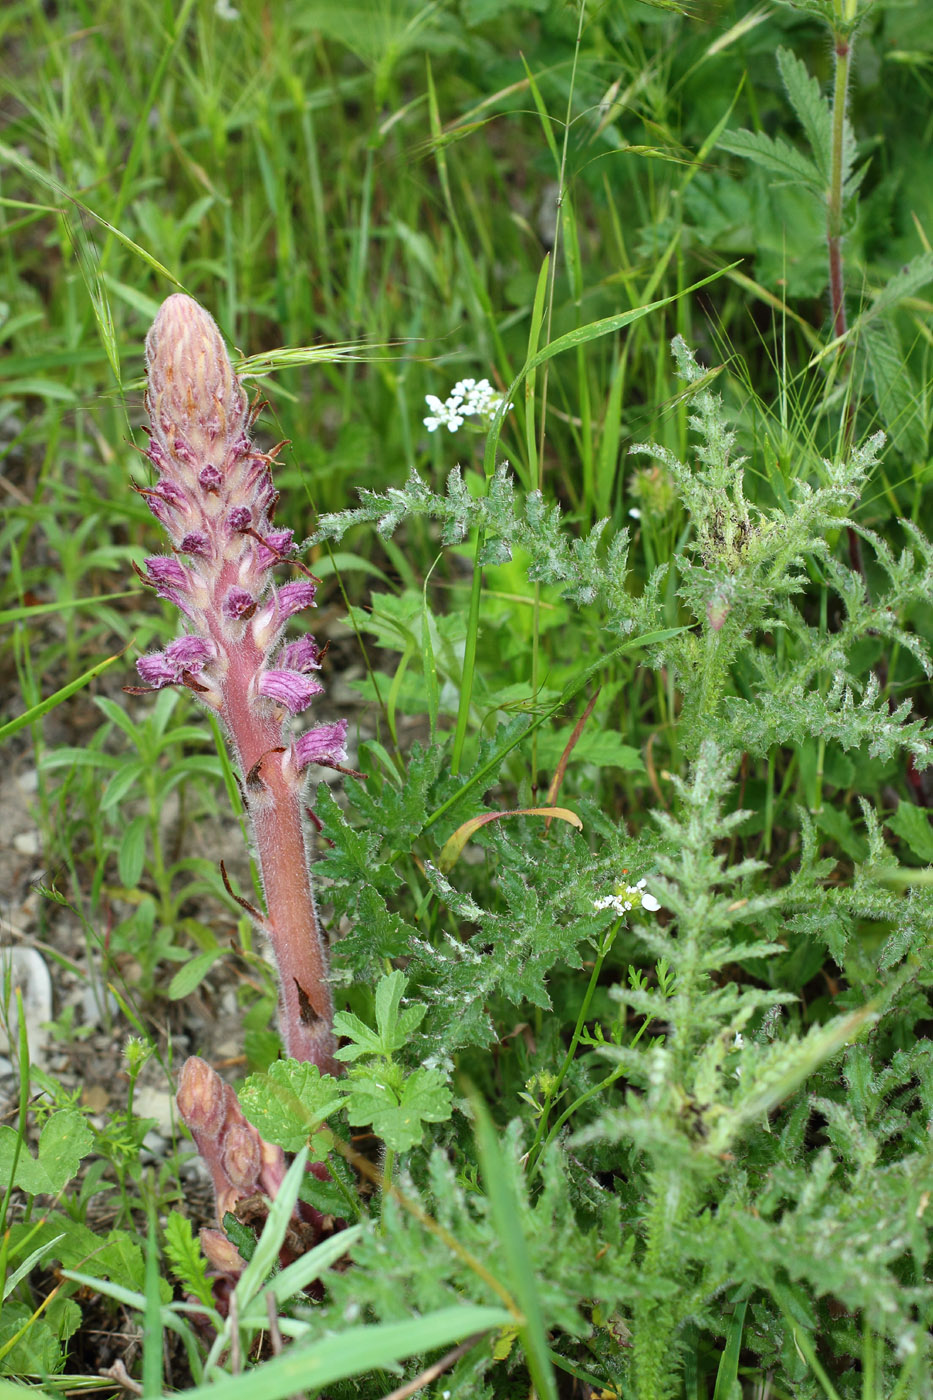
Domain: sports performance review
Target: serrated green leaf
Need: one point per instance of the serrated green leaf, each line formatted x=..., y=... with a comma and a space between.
x=603, y=748
x=398, y=1117
x=812, y=109
x=28, y=1346
x=905, y=283
x=895, y=390
x=121, y=1260
x=184, y=1255
x=63, y=1142
x=363, y=1039
x=289, y=1102
x=777, y=156
x=912, y=825
x=240, y=1235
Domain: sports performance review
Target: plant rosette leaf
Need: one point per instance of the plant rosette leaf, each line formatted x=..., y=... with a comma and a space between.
x=393, y=1028
x=289, y=1102
x=63, y=1142
x=396, y=1106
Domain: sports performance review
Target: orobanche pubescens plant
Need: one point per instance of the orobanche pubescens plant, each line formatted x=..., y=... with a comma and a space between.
x=216, y=501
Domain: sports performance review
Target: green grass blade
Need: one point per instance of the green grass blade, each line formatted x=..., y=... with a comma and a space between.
x=352, y=1352
x=728, y=1372
x=581, y=336
x=507, y=1217
x=152, y=1328
x=44, y=706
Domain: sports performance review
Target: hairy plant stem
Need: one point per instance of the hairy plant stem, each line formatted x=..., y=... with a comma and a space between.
x=602, y=953
x=591, y=1093
x=671, y=1200
x=842, y=48
x=469, y=656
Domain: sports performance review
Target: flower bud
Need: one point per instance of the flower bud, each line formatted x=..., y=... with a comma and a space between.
x=195, y=399
x=220, y=1253
x=241, y=1157
x=200, y=1098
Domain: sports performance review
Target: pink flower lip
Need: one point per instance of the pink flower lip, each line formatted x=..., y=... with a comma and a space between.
x=156, y=671
x=184, y=453
x=187, y=654
x=277, y=544
x=197, y=542
x=172, y=595
x=167, y=571
x=190, y=653
x=325, y=745
x=210, y=478
x=239, y=603
x=302, y=655
x=292, y=597
x=290, y=688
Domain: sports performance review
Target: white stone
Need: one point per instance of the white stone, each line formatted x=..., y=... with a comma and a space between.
x=27, y=971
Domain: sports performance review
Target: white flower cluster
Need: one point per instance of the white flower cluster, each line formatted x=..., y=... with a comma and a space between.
x=627, y=897
x=468, y=398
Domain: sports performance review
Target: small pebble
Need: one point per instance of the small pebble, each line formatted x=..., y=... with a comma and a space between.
x=157, y=1104
x=28, y=974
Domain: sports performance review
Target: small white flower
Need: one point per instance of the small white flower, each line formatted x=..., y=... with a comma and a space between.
x=468, y=398
x=635, y=513
x=224, y=10
x=739, y=1041
x=626, y=897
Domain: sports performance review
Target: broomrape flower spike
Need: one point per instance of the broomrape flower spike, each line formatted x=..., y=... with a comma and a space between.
x=216, y=501
x=625, y=898
x=469, y=398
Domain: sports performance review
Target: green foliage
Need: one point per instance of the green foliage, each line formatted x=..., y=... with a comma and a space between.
x=707, y=1163
x=395, y=1103
x=185, y=1258
x=290, y=1101
x=64, y=1140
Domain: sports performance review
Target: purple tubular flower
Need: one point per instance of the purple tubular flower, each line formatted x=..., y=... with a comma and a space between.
x=197, y=542
x=172, y=595
x=238, y=603
x=156, y=671
x=240, y=518
x=167, y=667
x=190, y=653
x=160, y=508
x=276, y=545
x=327, y=745
x=290, y=688
x=209, y=477
x=167, y=572
x=303, y=655
x=292, y=597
